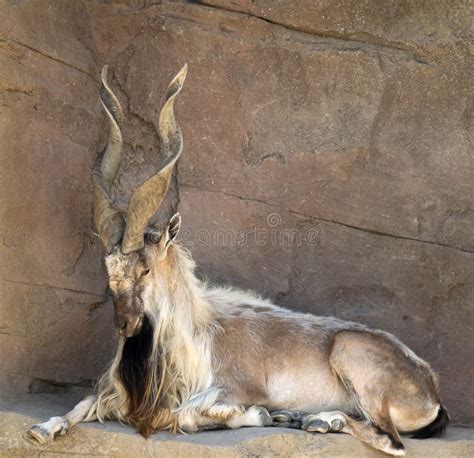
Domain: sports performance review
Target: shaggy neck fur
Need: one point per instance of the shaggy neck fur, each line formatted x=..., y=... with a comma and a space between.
x=156, y=372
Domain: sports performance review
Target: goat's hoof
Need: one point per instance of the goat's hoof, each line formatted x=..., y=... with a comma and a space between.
x=264, y=416
x=324, y=422
x=210, y=427
x=316, y=425
x=295, y=425
x=337, y=425
x=44, y=433
x=189, y=428
x=281, y=418
x=297, y=415
x=287, y=418
x=38, y=435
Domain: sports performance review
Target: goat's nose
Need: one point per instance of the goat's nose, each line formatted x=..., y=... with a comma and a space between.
x=121, y=322
x=128, y=324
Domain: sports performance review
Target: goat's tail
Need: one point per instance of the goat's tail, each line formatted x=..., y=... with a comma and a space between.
x=436, y=428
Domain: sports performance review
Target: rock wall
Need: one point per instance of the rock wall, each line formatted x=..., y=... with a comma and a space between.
x=328, y=164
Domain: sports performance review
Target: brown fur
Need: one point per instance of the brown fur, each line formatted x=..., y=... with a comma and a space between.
x=389, y=378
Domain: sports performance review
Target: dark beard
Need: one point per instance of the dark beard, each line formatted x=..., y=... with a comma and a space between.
x=134, y=368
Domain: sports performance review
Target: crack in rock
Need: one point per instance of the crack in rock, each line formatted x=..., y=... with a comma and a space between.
x=331, y=221
x=57, y=288
x=342, y=42
x=55, y=59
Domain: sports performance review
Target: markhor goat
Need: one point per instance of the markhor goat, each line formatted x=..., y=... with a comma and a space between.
x=192, y=357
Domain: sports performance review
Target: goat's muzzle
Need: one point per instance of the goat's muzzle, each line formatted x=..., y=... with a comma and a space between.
x=128, y=324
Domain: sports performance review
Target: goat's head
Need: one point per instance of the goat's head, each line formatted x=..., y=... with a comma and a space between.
x=133, y=248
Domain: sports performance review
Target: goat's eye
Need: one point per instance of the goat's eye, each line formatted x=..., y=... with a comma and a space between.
x=145, y=272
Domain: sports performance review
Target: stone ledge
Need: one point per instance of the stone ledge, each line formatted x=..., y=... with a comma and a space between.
x=113, y=439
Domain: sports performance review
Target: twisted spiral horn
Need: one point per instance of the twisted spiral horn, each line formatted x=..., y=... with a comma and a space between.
x=108, y=220
x=147, y=197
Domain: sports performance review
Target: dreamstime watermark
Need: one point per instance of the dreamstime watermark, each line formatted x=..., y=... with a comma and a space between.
x=273, y=234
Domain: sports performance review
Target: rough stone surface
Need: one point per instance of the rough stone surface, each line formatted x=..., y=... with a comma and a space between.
x=55, y=322
x=113, y=439
x=328, y=164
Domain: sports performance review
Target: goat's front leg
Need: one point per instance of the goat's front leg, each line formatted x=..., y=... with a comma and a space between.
x=221, y=416
x=44, y=433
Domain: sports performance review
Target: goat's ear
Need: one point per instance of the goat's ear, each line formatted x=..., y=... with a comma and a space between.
x=165, y=239
x=173, y=228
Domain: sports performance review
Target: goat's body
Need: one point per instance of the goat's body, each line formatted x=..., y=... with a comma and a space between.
x=212, y=355
x=228, y=348
x=270, y=356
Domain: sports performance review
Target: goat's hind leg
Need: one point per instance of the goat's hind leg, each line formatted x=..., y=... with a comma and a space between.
x=335, y=422
x=323, y=422
x=43, y=433
x=387, y=439
x=287, y=418
x=384, y=372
